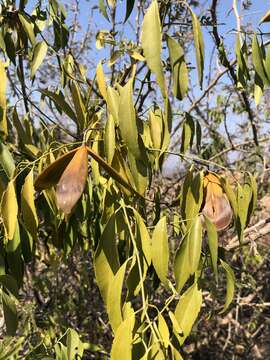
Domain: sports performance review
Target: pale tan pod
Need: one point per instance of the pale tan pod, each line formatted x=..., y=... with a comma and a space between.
x=217, y=206
x=72, y=182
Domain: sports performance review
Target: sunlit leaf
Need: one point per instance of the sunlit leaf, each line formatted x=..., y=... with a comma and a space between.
x=163, y=330
x=39, y=53
x=9, y=210
x=114, y=303
x=199, y=46
x=151, y=43
x=122, y=343
x=187, y=133
x=28, y=208
x=6, y=160
x=160, y=250
x=109, y=139
x=74, y=345
x=101, y=81
x=106, y=261
x=28, y=27
x=127, y=120
x=179, y=68
x=187, y=310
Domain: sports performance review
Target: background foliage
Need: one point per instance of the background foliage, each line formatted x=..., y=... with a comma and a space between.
x=133, y=133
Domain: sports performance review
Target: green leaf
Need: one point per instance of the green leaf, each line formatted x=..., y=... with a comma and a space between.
x=39, y=53
x=230, y=285
x=10, y=284
x=163, y=330
x=9, y=210
x=6, y=160
x=106, y=261
x=28, y=27
x=101, y=81
x=78, y=104
x=160, y=250
x=29, y=214
x=113, y=99
x=187, y=133
x=188, y=255
x=114, y=303
x=129, y=8
x=187, y=310
x=122, y=343
x=167, y=124
x=156, y=127
x=10, y=314
x=109, y=139
x=102, y=8
x=199, y=46
x=257, y=60
x=3, y=101
x=60, y=102
x=179, y=68
x=212, y=237
x=195, y=244
x=244, y=198
x=152, y=43
x=127, y=120
x=230, y=194
x=139, y=171
x=74, y=345
x=192, y=196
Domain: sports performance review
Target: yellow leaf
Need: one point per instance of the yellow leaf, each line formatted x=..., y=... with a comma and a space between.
x=29, y=214
x=101, y=81
x=9, y=210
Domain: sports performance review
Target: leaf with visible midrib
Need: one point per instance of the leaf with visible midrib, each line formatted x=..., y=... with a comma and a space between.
x=127, y=120
x=179, y=68
x=151, y=43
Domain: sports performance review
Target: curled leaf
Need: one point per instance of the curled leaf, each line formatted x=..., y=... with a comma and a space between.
x=72, y=182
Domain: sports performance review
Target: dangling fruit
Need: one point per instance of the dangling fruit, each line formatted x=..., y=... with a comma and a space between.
x=216, y=206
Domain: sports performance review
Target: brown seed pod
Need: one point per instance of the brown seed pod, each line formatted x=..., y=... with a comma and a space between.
x=217, y=206
x=72, y=182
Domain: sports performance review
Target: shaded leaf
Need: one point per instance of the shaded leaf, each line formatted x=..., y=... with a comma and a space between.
x=129, y=8
x=230, y=285
x=3, y=101
x=212, y=238
x=10, y=314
